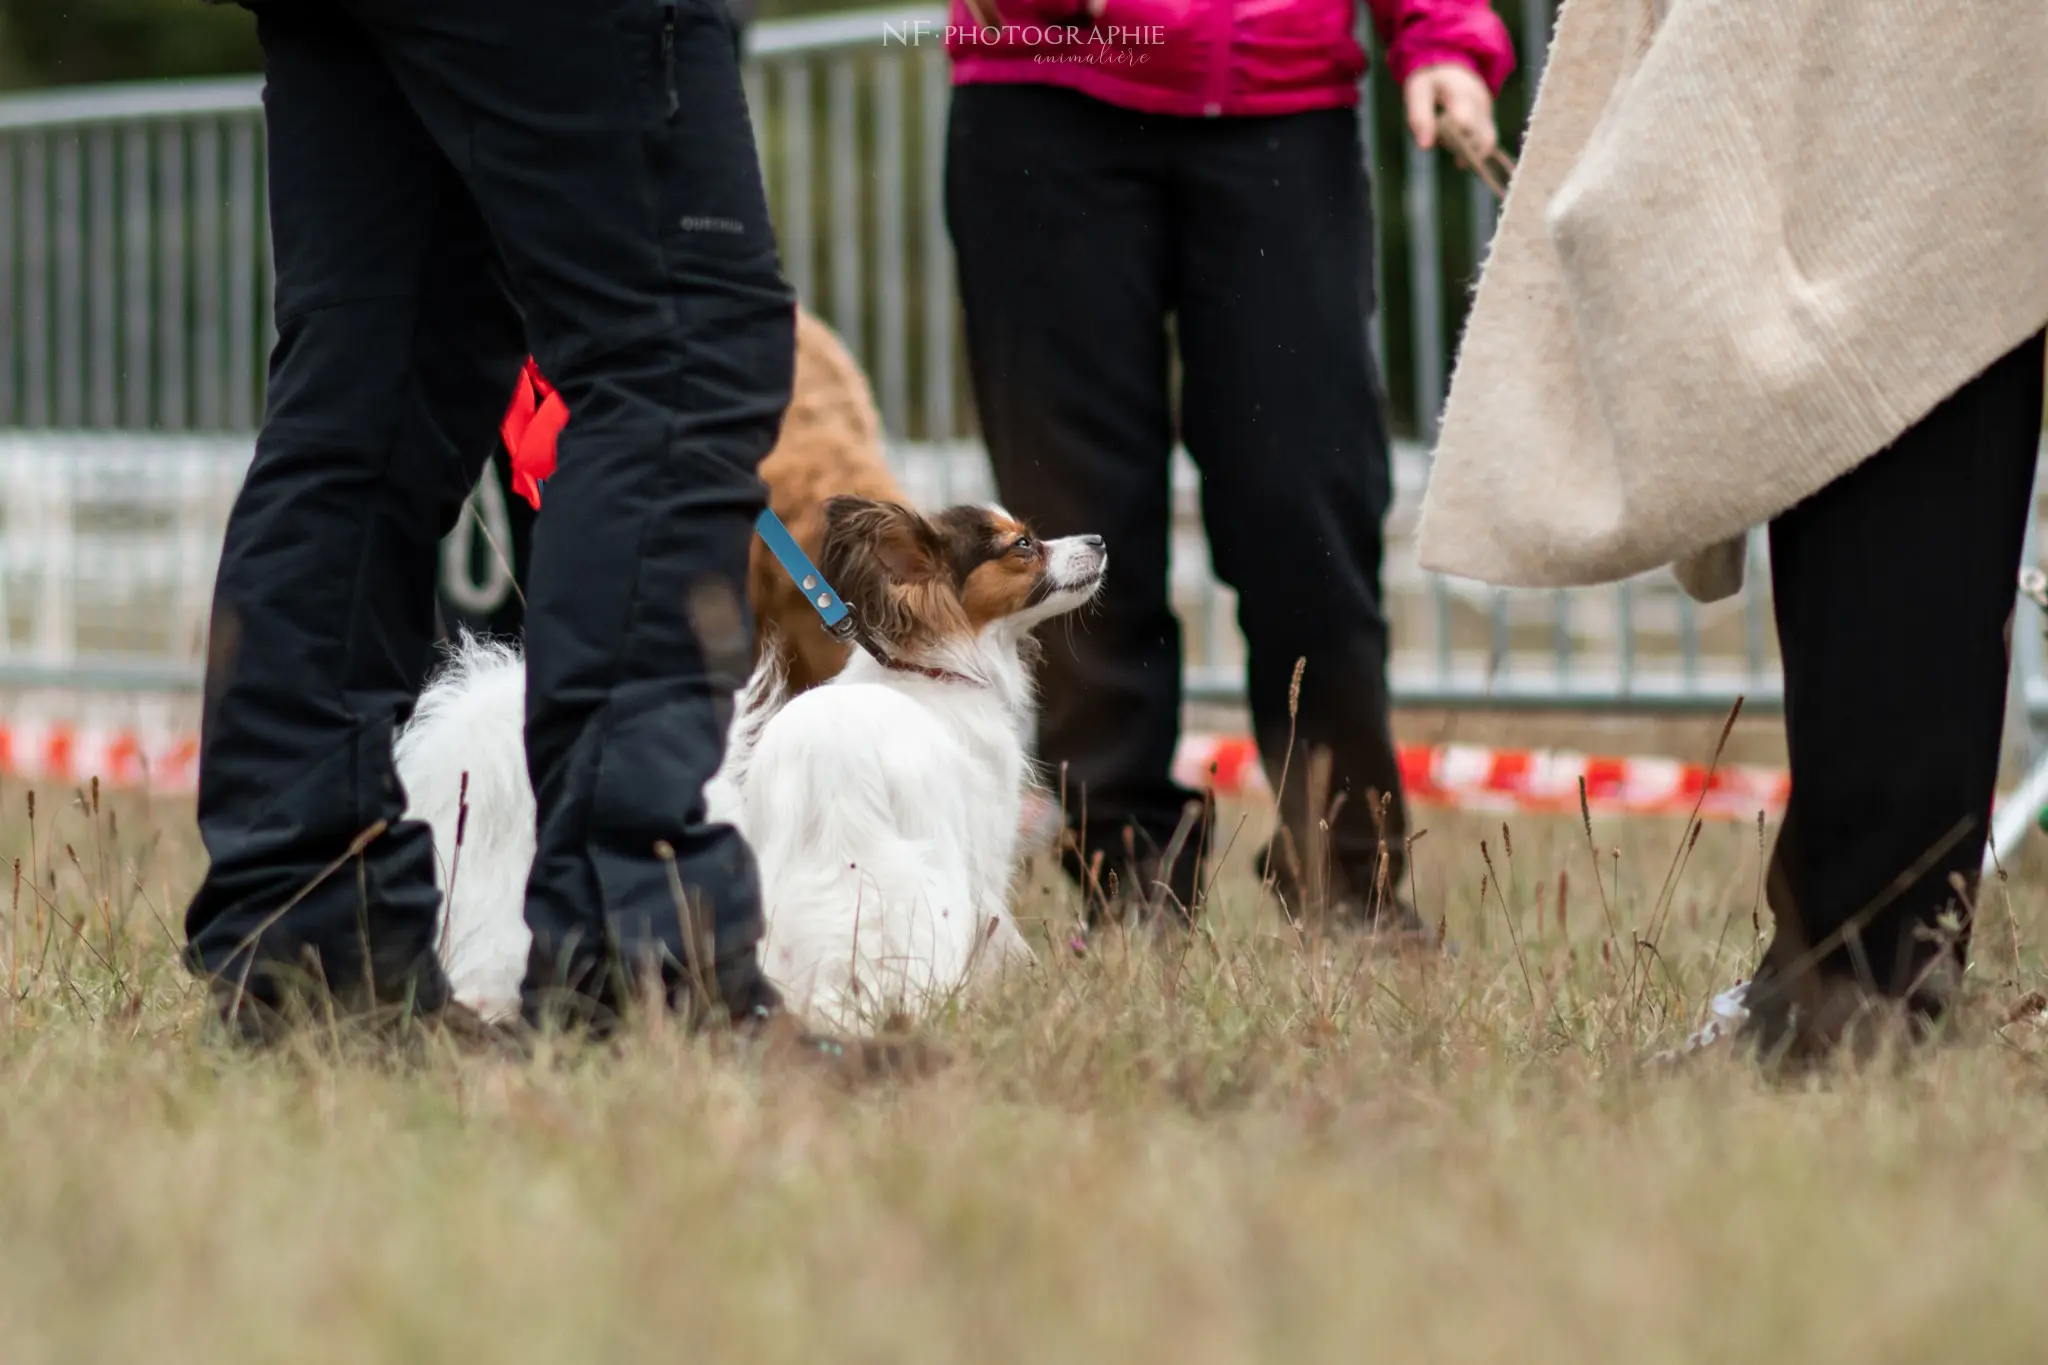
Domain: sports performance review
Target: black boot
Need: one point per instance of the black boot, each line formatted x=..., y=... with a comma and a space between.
x=1353, y=900
x=1132, y=880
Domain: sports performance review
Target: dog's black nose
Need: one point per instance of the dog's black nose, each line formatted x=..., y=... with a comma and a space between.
x=1092, y=542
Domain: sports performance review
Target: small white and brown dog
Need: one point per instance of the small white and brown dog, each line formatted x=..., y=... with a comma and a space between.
x=883, y=808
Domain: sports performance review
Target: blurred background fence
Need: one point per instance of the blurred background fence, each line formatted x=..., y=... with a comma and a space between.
x=135, y=326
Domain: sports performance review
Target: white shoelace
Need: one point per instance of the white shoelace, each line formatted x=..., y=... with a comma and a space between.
x=1726, y=1013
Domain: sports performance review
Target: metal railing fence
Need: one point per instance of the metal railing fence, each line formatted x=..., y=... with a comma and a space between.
x=135, y=326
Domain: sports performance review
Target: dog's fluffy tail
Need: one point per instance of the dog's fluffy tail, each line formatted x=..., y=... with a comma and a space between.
x=462, y=760
x=466, y=741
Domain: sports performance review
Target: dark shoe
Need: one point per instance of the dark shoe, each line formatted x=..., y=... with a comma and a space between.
x=779, y=1040
x=1391, y=928
x=735, y=989
x=1127, y=885
x=384, y=1028
x=1395, y=931
x=1819, y=1018
x=1395, y=919
x=467, y=1032
x=1803, y=1010
x=1789, y=1033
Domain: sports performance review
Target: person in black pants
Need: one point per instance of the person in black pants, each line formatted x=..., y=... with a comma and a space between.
x=1080, y=227
x=505, y=616
x=1894, y=746
x=453, y=182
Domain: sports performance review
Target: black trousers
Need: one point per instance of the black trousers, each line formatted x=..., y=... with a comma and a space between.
x=451, y=182
x=507, y=617
x=1895, y=590
x=1081, y=229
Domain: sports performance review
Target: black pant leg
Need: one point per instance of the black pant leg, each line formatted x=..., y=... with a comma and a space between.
x=1281, y=410
x=395, y=346
x=1057, y=208
x=609, y=147
x=1895, y=592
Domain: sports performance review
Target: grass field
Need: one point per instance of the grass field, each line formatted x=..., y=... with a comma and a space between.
x=1259, y=1148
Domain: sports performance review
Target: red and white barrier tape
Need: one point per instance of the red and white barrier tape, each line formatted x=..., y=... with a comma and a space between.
x=65, y=754
x=1459, y=775
x=1472, y=777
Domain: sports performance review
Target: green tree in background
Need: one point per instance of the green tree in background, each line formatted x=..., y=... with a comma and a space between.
x=73, y=42
x=78, y=42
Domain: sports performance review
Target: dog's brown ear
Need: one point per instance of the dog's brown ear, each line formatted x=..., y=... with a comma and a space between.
x=889, y=563
x=887, y=534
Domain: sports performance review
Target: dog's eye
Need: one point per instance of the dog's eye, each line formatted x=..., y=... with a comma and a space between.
x=1024, y=545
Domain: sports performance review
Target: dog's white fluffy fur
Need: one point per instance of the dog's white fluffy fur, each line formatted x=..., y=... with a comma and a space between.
x=883, y=808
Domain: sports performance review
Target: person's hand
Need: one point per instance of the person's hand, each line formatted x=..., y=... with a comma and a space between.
x=1464, y=100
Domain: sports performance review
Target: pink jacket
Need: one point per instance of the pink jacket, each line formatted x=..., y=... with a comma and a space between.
x=1197, y=57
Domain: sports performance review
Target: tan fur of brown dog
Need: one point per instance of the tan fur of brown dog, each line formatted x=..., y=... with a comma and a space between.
x=831, y=444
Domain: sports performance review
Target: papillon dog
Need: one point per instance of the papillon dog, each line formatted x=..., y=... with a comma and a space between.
x=885, y=809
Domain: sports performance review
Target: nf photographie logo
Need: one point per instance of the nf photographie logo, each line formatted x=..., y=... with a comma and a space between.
x=1097, y=36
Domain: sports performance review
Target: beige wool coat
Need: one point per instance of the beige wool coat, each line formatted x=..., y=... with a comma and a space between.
x=1749, y=243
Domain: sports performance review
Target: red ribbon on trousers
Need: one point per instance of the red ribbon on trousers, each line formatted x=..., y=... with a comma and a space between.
x=535, y=418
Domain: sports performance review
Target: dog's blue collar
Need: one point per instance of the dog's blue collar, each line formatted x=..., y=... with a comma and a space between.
x=833, y=610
